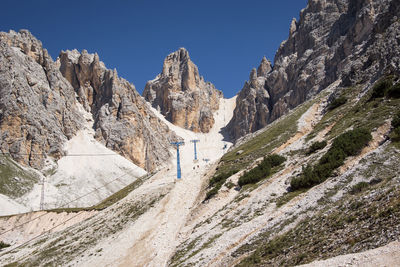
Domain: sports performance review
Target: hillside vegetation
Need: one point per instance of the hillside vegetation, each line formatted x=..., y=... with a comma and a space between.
x=311, y=208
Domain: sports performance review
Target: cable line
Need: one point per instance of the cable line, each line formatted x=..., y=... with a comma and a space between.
x=63, y=206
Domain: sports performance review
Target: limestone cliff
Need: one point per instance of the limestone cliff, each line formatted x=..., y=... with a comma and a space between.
x=252, y=103
x=182, y=95
x=123, y=121
x=354, y=41
x=37, y=105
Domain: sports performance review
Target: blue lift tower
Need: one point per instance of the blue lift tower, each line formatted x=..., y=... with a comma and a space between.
x=178, y=162
x=195, y=151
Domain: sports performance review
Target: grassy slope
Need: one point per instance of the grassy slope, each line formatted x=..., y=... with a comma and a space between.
x=272, y=137
x=363, y=220
x=351, y=224
x=356, y=112
x=14, y=180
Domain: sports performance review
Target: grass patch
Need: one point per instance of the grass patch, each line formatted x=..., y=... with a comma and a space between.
x=348, y=144
x=358, y=188
x=285, y=198
x=14, y=180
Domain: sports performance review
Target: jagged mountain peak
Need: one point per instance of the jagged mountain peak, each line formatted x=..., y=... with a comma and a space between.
x=334, y=40
x=122, y=120
x=182, y=95
x=264, y=68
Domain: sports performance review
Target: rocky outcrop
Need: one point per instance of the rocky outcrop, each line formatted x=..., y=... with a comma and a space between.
x=182, y=95
x=123, y=121
x=37, y=105
x=252, y=103
x=355, y=41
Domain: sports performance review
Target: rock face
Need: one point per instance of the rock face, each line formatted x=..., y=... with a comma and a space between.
x=123, y=121
x=37, y=105
x=39, y=111
x=182, y=95
x=355, y=41
x=252, y=103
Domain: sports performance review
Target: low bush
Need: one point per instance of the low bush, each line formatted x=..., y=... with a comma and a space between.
x=381, y=87
x=262, y=170
x=347, y=144
x=394, y=91
x=396, y=120
x=395, y=136
x=212, y=192
x=357, y=188
x=385, y=88
x=316, y=146
x=337, y=102
x=3, y=245
x=216, y=183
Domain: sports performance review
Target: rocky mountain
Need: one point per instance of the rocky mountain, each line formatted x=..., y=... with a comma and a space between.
x=320, y=183
x=252, y=103
x=353, y=41
x=182, y=95
x=122, y=119
x=38, y=112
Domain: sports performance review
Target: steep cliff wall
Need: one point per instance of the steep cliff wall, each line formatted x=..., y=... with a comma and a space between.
x=182, y=95
x=354, y=41
x=37, y=105
x=123, y=121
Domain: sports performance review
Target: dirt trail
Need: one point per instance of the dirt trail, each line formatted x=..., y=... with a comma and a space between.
x=305, y=126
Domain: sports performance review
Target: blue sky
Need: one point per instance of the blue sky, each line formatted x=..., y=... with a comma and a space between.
x=225, y=39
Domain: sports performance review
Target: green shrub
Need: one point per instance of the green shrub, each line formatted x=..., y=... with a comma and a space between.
x=395, y=136
x=262, y=170
x=337, y=102
x=394, y=91
x=316, y=146
x=274, y=160
x=229, y=185
x=216, y=183
x=396, y=120
x=381, y=87
x=221, y=178
x=347, y=144
x=358, y=187
x=3, y=245
x=352, y=142
x=212, y=192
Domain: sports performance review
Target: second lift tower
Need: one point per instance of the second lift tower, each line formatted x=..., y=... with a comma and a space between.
x=195, y=151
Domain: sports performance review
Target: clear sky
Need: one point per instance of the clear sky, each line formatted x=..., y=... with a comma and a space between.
x=225, y=38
